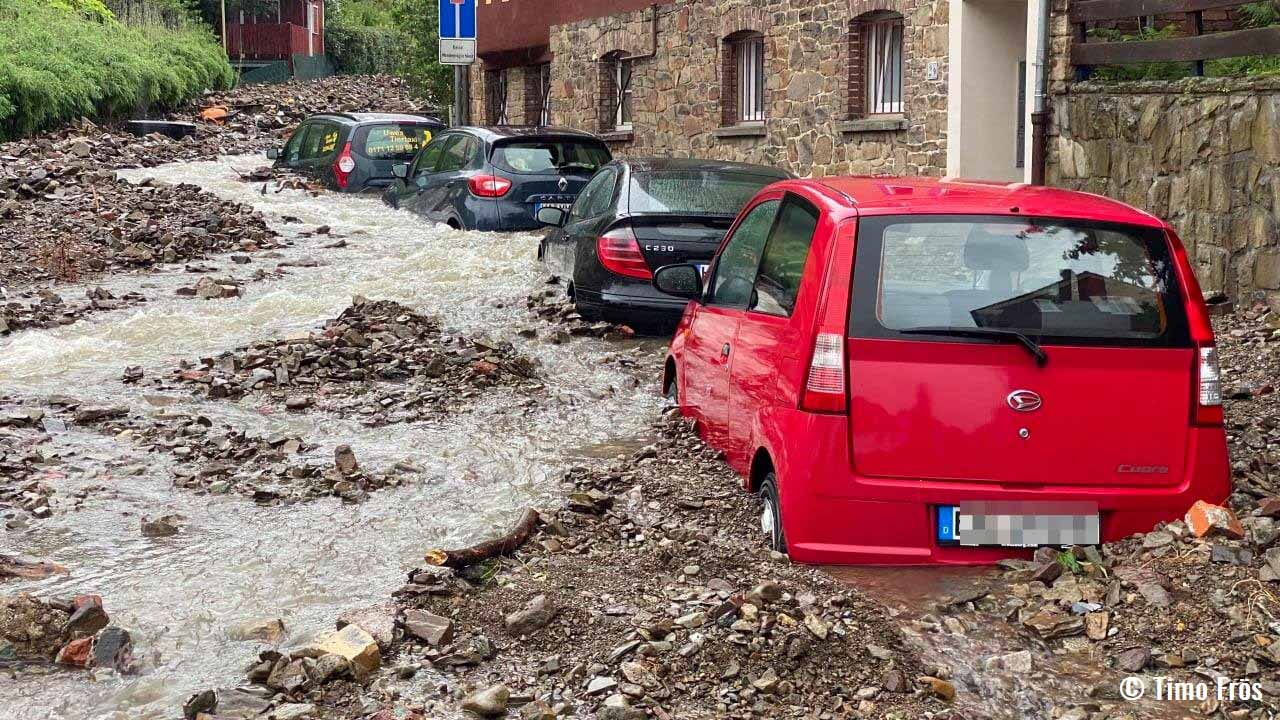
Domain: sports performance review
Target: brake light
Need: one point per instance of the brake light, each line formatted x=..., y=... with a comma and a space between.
x=824, y=387
x=343, y=167
x=1208, y=388
x=488, y=186
x=619, y=253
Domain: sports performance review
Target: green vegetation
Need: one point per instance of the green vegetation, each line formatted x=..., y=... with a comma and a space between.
x=1260, y=14
x=64, y=60
x=389, y=36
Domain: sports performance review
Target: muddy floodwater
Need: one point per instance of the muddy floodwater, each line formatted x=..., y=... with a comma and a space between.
x=236, y=561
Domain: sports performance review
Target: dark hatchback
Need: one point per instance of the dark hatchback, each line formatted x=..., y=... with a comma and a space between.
x=497, y=178
x=355, y=152
x=636, y=216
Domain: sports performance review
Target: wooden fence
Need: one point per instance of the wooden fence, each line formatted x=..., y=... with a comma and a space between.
x=1196, y=47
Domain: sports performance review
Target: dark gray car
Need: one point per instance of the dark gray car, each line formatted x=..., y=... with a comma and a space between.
x=497, y=178
x=355, y=152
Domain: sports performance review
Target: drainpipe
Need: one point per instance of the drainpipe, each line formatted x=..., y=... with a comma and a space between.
x=1040, y=111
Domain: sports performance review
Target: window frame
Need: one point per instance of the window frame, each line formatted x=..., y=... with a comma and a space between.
x=881, y=29
x=864, y=322
x=544, y=94
x=497, y=91
x=749, y=78
x=444, y=139
x=623, y=74
x=709, y=296
x=788, y=199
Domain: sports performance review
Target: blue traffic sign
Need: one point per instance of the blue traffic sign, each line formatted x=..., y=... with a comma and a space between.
x=458, y=19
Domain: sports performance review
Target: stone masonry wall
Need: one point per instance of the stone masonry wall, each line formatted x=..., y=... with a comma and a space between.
x=808, y=129
x=1202, y=153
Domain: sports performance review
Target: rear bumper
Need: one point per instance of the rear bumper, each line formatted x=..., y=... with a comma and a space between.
x=832, y=515
x=639, y=304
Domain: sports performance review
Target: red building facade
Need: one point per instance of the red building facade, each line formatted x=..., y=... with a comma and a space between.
x=292, y=27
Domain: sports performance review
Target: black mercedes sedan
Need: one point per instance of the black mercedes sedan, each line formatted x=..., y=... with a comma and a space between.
x=496, y=178
x=637, y=215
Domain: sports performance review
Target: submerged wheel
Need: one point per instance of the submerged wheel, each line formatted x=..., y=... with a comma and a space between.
x=672, y=391
x=771, y=514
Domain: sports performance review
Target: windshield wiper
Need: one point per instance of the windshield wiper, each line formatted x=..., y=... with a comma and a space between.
x=995, y=334
x=576, y=166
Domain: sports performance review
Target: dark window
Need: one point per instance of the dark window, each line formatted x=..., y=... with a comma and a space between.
x=782, y=267
x=600, y=186
x=321, y=141
x=537, y=94
x=399, y=142
x=737, y=264
x=293, y=149
x=552, y=155
x=1059, y=281
x=495, y=98
x=429, y=158
x=456, y=154
x=692, y=191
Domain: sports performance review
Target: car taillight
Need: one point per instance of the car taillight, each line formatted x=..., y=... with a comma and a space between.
x=343, y=167
x=824, y=386
x=619, y=253
x=1208, y=388
x=488, y=186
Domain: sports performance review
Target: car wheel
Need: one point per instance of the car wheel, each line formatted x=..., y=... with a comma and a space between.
x=771, y=514
x=672, y=391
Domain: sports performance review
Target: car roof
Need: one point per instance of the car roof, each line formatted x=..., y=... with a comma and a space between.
x=884, y=195
x=651, y=164
x=491, y=133
x=375, y=117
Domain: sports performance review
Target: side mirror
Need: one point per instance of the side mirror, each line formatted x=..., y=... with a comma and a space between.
x=400, y=170
x=273, y=154
x=683, y=280
x=552, y=216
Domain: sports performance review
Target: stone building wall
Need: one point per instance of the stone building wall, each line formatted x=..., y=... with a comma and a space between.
x=1202, y=153
x=809, y=128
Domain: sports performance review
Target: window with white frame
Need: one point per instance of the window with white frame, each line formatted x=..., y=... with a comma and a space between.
x=748, y=58
x=882, y=48
x=622, y=81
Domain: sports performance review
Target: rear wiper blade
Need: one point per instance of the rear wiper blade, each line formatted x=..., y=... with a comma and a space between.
x=576, y=166
x=994, y=333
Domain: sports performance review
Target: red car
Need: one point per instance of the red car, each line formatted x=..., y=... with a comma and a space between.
x=939, y=371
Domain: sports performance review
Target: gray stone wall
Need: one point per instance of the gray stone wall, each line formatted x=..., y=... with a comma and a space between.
x=808, y=129
x=1203, y=154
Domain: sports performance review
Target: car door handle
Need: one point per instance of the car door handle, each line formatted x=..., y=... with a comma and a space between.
x=724, y=351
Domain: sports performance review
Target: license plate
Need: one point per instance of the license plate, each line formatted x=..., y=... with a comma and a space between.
x=559, y=206
x=1007, y=524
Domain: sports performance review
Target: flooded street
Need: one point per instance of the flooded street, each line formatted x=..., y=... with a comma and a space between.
x=306, y=563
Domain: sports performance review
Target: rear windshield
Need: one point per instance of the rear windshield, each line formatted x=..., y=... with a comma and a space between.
x=395, y=142
x=700, y=192
x=1052, y=280
x=552, y=156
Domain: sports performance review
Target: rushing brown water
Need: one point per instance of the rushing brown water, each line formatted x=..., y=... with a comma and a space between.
x=237, y=561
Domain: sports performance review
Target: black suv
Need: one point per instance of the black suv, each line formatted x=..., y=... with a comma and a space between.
x=355, y=152
x=497, y=178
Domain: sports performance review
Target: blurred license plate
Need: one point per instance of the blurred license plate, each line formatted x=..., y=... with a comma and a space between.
x=559, y=206
x=1014, y=524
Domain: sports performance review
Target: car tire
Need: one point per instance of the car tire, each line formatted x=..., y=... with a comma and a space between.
x=771, y=514
x=672, y=391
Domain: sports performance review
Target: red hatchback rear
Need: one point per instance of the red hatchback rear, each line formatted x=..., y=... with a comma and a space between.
x=912, y=370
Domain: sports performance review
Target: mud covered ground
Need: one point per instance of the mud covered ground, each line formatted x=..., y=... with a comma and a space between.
x=65, y=217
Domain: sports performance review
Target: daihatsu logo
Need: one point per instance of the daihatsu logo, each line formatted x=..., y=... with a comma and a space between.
x=1024, y=401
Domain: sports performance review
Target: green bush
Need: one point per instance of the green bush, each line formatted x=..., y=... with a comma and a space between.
x=58, y=65
x=363, y=50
